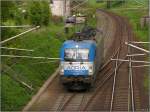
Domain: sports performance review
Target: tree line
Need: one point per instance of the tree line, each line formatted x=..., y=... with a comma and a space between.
x=21, y=12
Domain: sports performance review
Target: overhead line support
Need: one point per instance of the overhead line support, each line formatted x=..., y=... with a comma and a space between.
x=139, y=48
x=4, y=41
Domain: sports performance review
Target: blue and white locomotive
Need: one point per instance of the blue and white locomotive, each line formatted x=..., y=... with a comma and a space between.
x=80, y=62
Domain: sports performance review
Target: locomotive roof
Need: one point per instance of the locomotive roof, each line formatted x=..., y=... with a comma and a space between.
x=81, y=44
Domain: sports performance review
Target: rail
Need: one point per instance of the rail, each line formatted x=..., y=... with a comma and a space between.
x=114, y=83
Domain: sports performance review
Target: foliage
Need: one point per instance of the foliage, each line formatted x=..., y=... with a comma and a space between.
x=117, y=3
x=45, y=43
x=35, y=12
x=18, y=17
x=7, y=9
x=8, y=32
x=134, y=17
x=45, y=12
x=39, y=13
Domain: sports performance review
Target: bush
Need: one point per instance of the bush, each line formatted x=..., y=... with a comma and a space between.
x=35, y=13
x=8, y=9
x=45, y=13
x=39, y=13
x=18, y=17
x=8, y=32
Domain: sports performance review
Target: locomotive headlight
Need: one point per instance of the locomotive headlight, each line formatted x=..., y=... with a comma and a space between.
x=61, y=71
x=90, y=69
x=62, y=68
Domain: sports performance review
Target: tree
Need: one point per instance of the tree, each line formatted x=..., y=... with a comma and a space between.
x=35, y=12
x=45, y=12
x=7, y=9
x=18, y=16
x=39, y=13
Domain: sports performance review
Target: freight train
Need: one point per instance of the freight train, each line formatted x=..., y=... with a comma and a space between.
x=81, y=59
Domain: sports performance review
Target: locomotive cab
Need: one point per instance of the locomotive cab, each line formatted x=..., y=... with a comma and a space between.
x=77, y=66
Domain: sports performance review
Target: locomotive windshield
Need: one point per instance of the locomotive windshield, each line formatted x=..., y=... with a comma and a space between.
x=76, y=54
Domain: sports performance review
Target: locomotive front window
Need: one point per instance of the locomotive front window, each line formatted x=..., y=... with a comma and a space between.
x=76, y=54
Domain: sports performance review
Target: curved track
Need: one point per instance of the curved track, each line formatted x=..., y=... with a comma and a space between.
x=115, y=88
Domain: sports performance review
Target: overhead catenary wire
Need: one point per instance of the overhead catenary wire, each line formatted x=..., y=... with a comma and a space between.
x=139, y=2
x=134, y=61
x=11, y=38
x=79, y=5
x=134, y=42
x=54, y=61
x=133, y=55
x=138, y=66
x=133, y=8
x=19, y=26
x=17, y=49
x=9, y=70
x=18, y=56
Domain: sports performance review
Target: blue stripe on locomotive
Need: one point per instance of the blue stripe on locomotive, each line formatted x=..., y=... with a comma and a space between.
x=85, y=44
x=76, y=72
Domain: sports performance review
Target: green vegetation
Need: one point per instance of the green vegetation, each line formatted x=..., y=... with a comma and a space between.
x=34, y=72
x=146, y=82
x=8, y=10
x=45, y=42
x=39, y=12
x=21, y=12
x=134, y=16
x=125, y=9
x=13, y=100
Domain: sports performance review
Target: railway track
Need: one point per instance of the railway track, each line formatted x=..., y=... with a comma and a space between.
x=114, y=88
x=79, y=105
x=122, y=94
x=108, y=76
x=119, y=92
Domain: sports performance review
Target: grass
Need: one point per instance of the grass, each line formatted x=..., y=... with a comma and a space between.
x=13, y=95
x=132, y=15
x=146, y=82
x=45, y=43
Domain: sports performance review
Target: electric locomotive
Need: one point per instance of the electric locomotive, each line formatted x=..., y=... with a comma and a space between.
x=80, y=61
